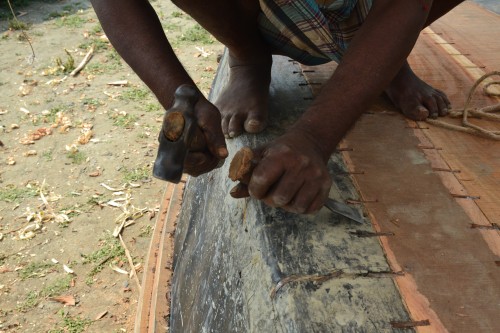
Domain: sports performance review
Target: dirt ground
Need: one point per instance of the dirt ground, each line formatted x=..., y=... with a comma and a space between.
x=75, y=162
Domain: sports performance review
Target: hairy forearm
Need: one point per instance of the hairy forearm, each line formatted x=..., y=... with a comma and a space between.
x=135, y=31
x=374, y=57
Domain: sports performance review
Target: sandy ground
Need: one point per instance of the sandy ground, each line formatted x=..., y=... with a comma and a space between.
x=75, y=161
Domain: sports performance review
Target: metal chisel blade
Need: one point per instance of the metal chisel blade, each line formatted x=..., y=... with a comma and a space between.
x=344, y=210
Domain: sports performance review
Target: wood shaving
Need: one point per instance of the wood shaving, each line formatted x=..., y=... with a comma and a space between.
x=66, y=300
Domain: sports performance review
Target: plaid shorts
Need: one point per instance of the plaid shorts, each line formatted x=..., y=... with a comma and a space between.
x=311, y=32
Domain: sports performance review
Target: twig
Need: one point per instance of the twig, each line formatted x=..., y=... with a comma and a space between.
x=130, y=262
x=85, y=60
x=25, y=35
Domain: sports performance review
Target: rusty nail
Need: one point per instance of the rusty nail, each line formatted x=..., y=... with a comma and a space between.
x=493, y=226
x=464, y=196
x=362, y=233
x=410, y=324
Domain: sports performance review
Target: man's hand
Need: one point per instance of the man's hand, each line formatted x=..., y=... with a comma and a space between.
x=209, y=120
x=291, y=174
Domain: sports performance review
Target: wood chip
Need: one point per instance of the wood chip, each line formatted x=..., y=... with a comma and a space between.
x=101, y=315
x=30, y=153
x=66, y=300
x=118, y=83
x=118, y=269
x=68, y=270
x=96, y=173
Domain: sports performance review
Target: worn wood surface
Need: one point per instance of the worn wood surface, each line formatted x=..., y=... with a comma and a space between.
x=243, y=267
x=153, y=309
x=426, y=180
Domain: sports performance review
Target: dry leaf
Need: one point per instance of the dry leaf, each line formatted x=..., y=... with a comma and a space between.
x=26, y=141
x=85, y=137
x=5, y=269
x=37, y=134
x=66, y=300
x=96, y=173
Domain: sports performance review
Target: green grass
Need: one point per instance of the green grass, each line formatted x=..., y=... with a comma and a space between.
x=92, y=103
x=70, y=21
x=35, y=269
x=170, y=26
x=151, y=107
x=65, y=66
x=11, y=193
x=30, y=301
x=54, y=15
x=71, y=324
x=177, y=14
x=76, y=157
x=95, y=200
x=34, y=297
x=135, y=94
x=110, y=251
x=197, y=34
x=51, y=116
x=137, y=174
x=15, y=24
x=124, y=120
x=111, y=64
x=146, y=231
x=48, y=155
x=96, y=29
x=99, y=45
x=57, y=287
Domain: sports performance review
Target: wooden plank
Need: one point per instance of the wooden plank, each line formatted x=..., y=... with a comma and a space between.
x=433, y=240
x=242, y=266
x=470, y=37
x=153, y=309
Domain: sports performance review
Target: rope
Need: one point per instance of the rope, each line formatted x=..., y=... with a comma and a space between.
x=486, y=112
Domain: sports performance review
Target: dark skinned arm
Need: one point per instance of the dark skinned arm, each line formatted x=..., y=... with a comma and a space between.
x=135, y=31
x=292, y=173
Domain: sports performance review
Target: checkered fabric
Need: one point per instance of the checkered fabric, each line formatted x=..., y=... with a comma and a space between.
x=312, y=32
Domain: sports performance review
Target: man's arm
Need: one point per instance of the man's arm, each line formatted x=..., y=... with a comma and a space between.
x=135, y=31
x=292, y=173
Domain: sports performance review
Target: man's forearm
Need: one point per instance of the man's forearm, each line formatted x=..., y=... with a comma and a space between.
x=375, y=55
x=135, y=31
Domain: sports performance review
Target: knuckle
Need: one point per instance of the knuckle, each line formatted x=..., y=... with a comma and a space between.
x=304, y=161
x=280, y=200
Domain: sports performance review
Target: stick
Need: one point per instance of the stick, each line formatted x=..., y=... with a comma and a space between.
x=130, y=262
x=85, y=60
